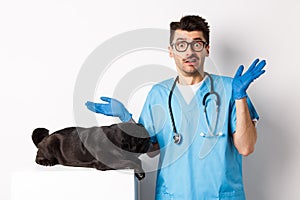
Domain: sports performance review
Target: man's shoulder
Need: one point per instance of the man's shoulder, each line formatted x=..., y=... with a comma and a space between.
x=164, y=85
x=160, y=90
x=221, y=78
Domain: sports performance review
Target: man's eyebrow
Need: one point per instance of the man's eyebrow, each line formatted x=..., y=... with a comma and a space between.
x=181, y=39
x=197, y=39
x=186, y=39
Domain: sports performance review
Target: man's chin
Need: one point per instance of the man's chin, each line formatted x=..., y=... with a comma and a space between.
x=191, y=70
x=191, y=73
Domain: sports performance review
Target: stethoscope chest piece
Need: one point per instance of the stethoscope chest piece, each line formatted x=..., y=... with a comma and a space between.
x=177, y=138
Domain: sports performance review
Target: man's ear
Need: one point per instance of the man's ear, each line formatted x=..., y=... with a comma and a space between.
x=171, y=54
x=207, y=50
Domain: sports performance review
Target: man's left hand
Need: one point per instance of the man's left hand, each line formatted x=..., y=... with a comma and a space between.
x=240, y=83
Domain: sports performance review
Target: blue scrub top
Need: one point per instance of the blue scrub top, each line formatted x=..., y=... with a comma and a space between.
x=199, y=168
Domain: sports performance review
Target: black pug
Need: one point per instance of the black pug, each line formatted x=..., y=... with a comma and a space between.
x=105, y=148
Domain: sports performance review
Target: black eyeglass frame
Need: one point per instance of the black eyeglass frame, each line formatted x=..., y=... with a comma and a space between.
x=190, y=43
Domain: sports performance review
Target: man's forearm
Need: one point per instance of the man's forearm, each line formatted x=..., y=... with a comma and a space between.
x=245, y=136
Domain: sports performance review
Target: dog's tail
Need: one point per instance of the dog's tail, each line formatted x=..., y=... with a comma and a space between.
x=39, y=134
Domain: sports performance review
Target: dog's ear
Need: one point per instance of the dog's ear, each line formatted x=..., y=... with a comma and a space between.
x=38, y=135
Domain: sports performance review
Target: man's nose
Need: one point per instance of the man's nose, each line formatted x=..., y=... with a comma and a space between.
x=189, y=51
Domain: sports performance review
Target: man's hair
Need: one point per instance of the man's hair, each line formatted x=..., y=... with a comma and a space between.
x=190, y=23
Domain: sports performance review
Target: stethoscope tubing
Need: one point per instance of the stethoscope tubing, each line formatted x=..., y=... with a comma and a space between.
x=177, y=136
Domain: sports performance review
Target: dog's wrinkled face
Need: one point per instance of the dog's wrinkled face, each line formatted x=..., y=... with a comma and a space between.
x=45, y=155
x=43, y=160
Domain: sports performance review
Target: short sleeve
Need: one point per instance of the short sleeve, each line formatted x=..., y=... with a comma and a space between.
x=147, y=120
x=253, y=114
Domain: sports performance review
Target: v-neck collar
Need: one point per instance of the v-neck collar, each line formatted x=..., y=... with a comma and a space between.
x=197, y=97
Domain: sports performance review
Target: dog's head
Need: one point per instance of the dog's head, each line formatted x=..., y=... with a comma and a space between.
x=43, y=142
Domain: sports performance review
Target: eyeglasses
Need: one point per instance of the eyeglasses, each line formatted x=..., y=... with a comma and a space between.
x=182, y=46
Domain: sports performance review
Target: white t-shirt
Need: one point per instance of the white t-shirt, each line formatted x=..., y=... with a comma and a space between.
x=188, y=91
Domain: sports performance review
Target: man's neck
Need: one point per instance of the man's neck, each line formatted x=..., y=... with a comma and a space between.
x=190, y=80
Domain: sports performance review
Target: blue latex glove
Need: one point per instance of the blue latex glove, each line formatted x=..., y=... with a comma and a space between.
x=113, y=108
x=240, y=83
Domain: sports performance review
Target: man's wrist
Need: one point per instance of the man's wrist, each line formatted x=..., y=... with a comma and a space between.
x=126, y=118
x=240, y=95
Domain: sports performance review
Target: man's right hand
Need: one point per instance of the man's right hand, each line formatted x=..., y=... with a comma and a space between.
x=113, y=108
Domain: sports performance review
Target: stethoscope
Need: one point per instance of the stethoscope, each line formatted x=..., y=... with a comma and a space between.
x=177, y=137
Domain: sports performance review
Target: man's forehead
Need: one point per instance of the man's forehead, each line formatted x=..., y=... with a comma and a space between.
x=188, y=35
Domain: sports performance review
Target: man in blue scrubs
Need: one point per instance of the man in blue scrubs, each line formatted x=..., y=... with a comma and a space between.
x=207, y=163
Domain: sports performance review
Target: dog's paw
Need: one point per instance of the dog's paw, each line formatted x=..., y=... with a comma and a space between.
x=45, y=162
x=140, y=175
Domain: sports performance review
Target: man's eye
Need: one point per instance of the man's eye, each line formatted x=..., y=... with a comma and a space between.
x=198, y=44
x=181, y=44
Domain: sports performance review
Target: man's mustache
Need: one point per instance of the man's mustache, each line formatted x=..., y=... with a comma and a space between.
x=193, y=56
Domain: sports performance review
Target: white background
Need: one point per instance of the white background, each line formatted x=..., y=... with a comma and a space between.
x=43, y=45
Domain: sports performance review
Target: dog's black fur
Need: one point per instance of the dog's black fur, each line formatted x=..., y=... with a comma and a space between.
x=108, y=147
